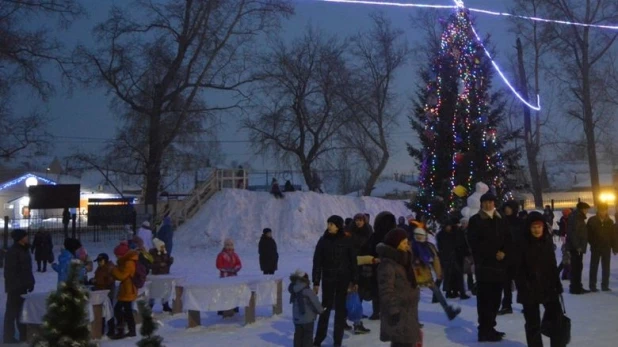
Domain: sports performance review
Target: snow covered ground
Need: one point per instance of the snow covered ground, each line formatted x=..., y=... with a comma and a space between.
x=297, y=222
x=593, y=315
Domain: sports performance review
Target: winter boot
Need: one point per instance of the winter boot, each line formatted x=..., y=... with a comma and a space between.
x=166, y=307
x=505, y=310
x=463, y=296
x=131, y=332
x=452, y=312
x=120, y=334
x=375, y=316
x=111, y=328
x=347, y=326
x=359, y=329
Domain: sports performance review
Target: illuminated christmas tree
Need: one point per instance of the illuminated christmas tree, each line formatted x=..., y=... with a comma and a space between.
x=66, y=322
x=457, y=121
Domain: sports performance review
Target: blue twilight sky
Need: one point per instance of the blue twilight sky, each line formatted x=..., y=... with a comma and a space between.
x=86, y=112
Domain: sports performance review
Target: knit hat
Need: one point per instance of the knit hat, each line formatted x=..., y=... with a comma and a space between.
x=18, y=234
x=420, y=231
x=360, y=216
x=103, y=256
x=582, y=206
x=488, y=197
x=72, y=245
x=146, y=224
x=121, y=249
x=266, y=231
x=336, y=220
x=394, y=237
x=81, y=253
x=158, y=243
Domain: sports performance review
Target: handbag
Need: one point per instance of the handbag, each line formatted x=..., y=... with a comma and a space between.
x=559, y=328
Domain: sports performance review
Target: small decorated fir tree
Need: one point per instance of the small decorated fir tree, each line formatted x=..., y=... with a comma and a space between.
x=148, y=329
x=66, y=322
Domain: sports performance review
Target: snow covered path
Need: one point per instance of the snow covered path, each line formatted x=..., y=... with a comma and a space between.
x=594, y=316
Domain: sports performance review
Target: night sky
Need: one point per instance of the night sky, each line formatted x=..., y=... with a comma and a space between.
x=86, y=113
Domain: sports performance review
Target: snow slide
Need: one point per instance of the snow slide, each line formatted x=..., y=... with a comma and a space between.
x=297, y=220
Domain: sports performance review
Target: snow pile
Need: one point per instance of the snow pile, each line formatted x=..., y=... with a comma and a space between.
x=388, y=187
x=297, y=221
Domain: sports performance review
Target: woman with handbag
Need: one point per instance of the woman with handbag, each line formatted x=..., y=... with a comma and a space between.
x=538, y=283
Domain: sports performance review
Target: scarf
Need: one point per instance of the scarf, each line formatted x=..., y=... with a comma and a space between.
x=423, y=251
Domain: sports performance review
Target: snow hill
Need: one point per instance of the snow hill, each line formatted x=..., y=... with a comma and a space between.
x=297, y=221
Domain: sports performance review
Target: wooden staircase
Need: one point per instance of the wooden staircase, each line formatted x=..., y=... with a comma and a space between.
x=218, y=179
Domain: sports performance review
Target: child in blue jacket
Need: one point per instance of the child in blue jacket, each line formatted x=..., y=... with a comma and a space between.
x=305, y=308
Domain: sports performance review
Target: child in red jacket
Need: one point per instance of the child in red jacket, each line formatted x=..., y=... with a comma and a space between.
x=228, y=264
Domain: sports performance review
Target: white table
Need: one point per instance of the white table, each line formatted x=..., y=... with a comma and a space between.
x=35, y=308
x=226, y=293
x=162, y=286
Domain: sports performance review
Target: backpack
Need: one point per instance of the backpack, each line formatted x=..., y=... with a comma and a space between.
x=139, y=278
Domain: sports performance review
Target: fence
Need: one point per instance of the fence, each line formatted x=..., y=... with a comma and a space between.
x=77, y=228
x=556, y=204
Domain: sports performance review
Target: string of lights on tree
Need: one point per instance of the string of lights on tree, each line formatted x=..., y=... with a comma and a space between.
x=466, y=150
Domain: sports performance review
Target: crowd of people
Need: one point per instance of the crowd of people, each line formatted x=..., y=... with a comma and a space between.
x=387, y=264
x=390, y=263
x=140, y=254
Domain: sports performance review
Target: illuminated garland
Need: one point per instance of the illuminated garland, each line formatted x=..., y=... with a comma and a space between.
x=461, y=57
x=24, y=178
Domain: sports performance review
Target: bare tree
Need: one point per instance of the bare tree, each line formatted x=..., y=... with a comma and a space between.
x=535, y=41
x=304, y=111
x=25, y=49
x=583, y=53
x=377, y=56
x=159, y=59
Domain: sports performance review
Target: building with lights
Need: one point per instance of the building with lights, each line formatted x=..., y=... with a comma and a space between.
x=14, y=198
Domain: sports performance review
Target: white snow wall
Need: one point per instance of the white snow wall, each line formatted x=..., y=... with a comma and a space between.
x=297, y=221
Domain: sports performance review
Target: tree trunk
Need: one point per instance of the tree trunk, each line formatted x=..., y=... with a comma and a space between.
x=532, y=147
x=308, y=175
x=375, y=174
x=588, y=119
x=153, y=170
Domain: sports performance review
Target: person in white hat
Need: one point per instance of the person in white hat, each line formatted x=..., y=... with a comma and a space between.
x=145, y=233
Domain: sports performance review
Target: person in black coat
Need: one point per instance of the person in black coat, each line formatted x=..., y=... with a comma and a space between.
x=269, y=257
x=601, y=239
x=383, y=223
x=334, y=266
x=490, y=242
x=452, y=247
x=537, y=278
x=515, y=225
x=360, y=232
x=43, y=249
x=275, y=190
x=18, y=280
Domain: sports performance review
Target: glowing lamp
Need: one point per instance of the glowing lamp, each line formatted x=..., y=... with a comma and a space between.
x=607, y=197
x=31, y=181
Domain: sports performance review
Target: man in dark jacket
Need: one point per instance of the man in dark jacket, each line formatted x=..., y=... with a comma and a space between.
x=601, y=238
x=452, y=246
x=490, y=241
x=334, y=265
x=383, y=223
x=267, y=248
x=577, y=241
x=509, y=212
x=18, y=280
